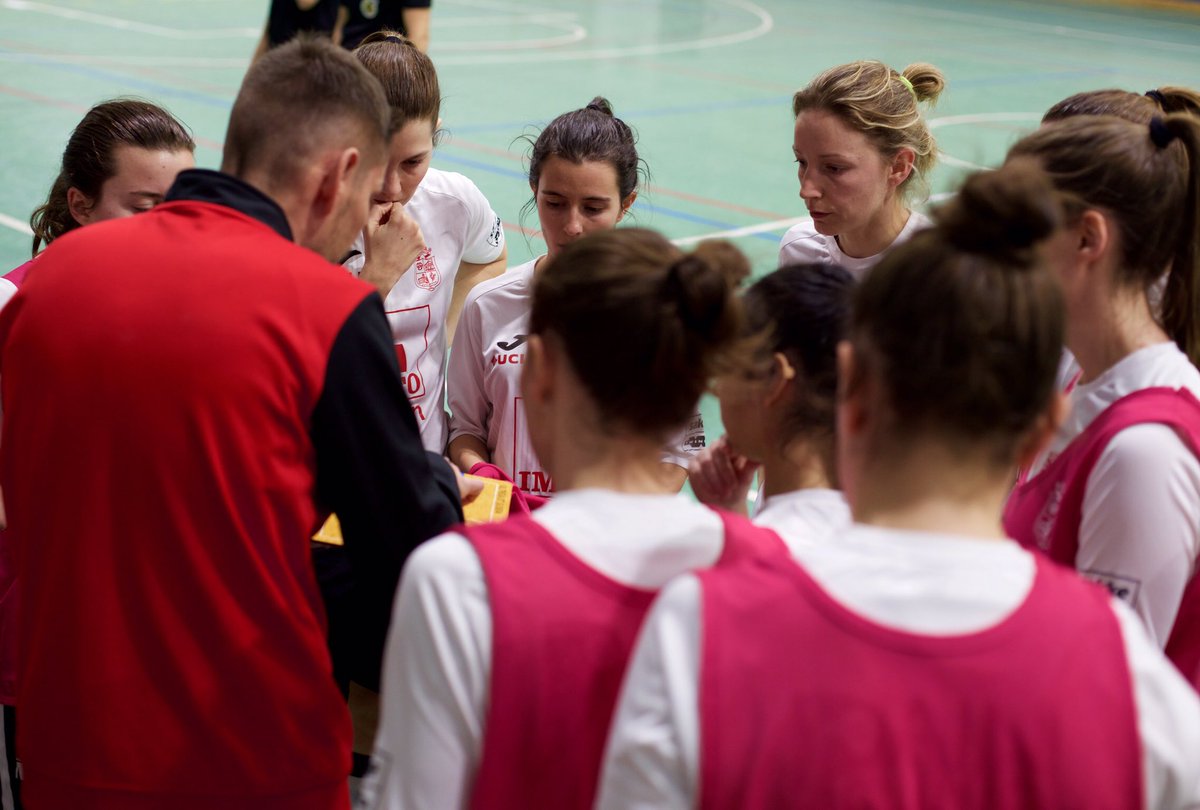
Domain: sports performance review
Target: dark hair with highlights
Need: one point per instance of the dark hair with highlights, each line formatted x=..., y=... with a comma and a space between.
x=89, y=161
x=1150, y=191
x=409, y=79
x=644, y=325
x=801, y=311
x=963, y=324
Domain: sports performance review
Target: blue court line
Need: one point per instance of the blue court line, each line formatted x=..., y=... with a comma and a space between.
x=642, y=204
x=124, y=79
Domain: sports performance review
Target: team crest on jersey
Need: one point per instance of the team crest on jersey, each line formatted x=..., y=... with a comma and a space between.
x=369, y=8
x=427, y=275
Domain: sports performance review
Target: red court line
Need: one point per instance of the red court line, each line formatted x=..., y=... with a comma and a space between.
x=666, y=192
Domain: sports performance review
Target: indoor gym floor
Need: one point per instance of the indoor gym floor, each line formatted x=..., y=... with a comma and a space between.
x=706, y=83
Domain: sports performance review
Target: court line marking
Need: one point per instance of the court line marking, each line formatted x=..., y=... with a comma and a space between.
x=129, y=25
x=977, y=118
x=15, y=224
x=766, y=22
x=1041, y=28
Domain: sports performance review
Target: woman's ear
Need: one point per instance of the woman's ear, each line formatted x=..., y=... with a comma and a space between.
x=626, y=204
x=781, y=377
x=901, y=166
x=1095, y=235
x=80, y=205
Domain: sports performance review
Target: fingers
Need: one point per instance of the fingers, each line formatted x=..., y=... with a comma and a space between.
x=721, y=477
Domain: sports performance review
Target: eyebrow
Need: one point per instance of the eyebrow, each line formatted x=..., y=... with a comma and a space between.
x=152, y=195
x=550, y=193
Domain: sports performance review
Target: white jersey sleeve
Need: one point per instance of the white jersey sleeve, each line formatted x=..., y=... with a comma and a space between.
x=653, y=749
x=485, y=232
x=435, y=674
x=1168, y=719
x=470, y=408
x=1140, y=529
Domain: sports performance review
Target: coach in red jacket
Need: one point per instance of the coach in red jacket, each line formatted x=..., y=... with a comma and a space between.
x=186, y=393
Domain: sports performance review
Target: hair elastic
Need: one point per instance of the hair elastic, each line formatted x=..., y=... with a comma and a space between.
x=1159, y=133
x=396, y=39
x=1157, y=97
x=907, y=83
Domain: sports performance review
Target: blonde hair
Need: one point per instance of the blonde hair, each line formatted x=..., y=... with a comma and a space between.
x=882, y=104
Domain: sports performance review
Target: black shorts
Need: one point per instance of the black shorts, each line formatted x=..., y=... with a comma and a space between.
x=368, y=16
x=10, y=779
x=286, y=19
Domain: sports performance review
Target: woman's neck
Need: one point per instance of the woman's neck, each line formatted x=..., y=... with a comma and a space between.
x=933, y=489
x=878, y=234
x=799, y=465
x=620, y=464
x=1113, y=327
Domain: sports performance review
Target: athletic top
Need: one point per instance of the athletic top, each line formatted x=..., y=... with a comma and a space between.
x=1139, y=530
x=458, y=225
x=484, y=387
x=162, y=487
x=916, y=592
x=365, y=17
x=805, y=516
x=285, y=20
x=1044, y=512
x=802, y=244
x=440, y=663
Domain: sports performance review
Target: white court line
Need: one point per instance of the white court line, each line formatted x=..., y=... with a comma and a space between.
x=16, y=224
x=129, y=25
x=777, y=225
x=1042, y=28
x=765, y=24
x=977, y=118
x=749, y=230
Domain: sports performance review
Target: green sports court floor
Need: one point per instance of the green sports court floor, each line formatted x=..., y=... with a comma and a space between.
x=706, y=83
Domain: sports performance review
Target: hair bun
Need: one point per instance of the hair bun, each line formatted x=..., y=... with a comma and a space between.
x=699, y=285
x=1002, y=213
x=600, y=104
x=926, y=80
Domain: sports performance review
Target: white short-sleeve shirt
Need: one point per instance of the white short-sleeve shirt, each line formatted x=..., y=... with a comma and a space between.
x=484, y=385
x=802, y=244
x=458, y=225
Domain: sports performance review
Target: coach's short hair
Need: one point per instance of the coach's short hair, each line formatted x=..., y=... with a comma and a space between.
x=299, y=98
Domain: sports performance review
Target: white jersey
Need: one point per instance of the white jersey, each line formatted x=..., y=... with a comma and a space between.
x=1140, y=531
x=918, y=582
x=805, y=516
x=437, y=667
x=484, y=388
x=458, y=225
x=802, y=244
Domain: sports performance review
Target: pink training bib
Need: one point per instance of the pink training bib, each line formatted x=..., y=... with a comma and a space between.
x=1045, y=511
x=562, y=635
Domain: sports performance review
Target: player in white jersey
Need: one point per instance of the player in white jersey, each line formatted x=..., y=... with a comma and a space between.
x=778, y=409
x=863, y=152
x=432, y=235
x=583, y=171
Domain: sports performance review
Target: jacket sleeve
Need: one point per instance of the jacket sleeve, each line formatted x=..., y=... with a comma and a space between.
x=389, y=494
